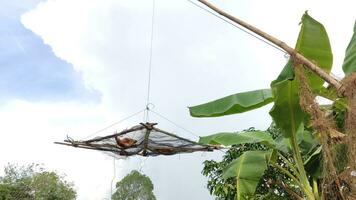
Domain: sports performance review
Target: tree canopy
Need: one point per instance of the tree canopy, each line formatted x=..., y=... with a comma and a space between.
x=134, y=186
x=32, y=182
x=272, y=185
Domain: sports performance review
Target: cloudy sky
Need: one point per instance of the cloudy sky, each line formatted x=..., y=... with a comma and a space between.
x=71, y=67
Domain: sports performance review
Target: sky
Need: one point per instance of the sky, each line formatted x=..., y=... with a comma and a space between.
x=72, y=67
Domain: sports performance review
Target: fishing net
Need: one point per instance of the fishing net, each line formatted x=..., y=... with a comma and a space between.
x=143, y=140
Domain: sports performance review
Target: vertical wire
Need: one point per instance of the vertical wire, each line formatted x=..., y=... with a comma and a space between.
x=113, y=179
x=146, y=116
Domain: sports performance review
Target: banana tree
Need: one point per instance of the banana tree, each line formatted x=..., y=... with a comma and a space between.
x=312, y=49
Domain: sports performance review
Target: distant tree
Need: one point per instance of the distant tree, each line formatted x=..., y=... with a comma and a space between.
x=134, y=186
x=32, y=182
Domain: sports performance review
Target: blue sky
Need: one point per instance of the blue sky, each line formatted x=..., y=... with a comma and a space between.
x=29, y=70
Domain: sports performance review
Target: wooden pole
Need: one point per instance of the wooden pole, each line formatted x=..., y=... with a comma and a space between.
x=292, y=52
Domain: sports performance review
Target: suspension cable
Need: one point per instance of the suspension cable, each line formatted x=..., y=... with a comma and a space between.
x=175, y=124
x=146, y=115
x=238, y=27
x=113, y=124
x=113, y=178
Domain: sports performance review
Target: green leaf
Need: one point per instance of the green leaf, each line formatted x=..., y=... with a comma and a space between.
x=328, y=93
x=283, y=144
x=233, y=104
x=228, y=139
x=287, y=73
x=286, y=112
x=248, y=170
x=331, y=94
x=314, y=44
x=306, y=141
x=314, y=164
x=349, y=65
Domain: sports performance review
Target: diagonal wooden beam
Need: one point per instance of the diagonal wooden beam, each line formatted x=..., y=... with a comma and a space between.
x=292, y=52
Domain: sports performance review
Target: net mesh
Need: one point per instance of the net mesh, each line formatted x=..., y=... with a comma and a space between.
x=143, y=139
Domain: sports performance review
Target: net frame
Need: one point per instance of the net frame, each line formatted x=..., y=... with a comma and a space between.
x=150, y=142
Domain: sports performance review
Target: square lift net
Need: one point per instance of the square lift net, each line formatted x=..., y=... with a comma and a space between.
x=143, y=139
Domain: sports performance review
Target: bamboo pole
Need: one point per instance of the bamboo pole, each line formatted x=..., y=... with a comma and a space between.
x=292, y=52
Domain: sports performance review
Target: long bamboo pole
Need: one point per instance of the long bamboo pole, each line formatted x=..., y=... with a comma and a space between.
x=292, y=52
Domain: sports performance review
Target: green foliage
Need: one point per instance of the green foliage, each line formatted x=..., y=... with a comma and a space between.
x=233, y=104
x=313, y=164
x=134, y=186
x=32, y=182
x=286, y=112
x=296, y=141
x=228, y=139
x=296, y=145
x=224, y=188
x=313, y=43
x=349, y=65
x=247, y=169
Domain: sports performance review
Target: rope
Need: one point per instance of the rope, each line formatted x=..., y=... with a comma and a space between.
x=142, y=163
x=146, y=116
x=242, y=29
x=113, y=124
x=181, y=127
x=113, y=179
x=175, y=124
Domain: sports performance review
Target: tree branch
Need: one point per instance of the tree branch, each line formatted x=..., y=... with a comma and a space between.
x=292, y=52
x=288, y=190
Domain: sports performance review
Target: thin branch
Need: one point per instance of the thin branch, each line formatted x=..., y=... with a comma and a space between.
x=288, y=190
x=286, y=172
x=289, y=164
x=292, y=52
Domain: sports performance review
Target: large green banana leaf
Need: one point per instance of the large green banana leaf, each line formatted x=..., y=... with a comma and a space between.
x=286, y=112
x=248, y=170
x=228, y=139
x=236, y=103
x=349, y=65
x=314, y=44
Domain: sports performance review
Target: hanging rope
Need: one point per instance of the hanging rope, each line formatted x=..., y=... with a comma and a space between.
x=113, y=178
x=146, y=115
x=238, y=27
x=113, y=124
x=181, y=127
x=142, y=163
x=175, y=124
